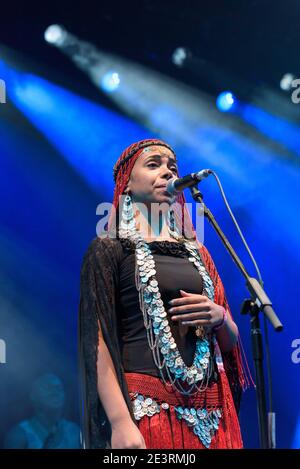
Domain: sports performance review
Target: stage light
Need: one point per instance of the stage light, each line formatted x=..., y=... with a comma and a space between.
x=110, y=81
x=55, y=34
x=179, y=56
x=286, y=81
x=225, y=101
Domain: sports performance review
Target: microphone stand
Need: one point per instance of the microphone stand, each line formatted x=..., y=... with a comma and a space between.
x=258, y=302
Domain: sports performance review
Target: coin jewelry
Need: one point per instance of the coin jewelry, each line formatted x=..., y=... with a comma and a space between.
x=188, y=380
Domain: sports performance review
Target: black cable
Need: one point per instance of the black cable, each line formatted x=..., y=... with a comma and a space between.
x=267, y=345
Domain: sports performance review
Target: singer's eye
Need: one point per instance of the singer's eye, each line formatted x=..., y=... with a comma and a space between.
x=155, y=165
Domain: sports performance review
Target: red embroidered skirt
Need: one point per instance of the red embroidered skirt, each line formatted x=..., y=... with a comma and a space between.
x=164, y=430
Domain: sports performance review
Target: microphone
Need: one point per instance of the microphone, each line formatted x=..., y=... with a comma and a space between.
x=179, y=184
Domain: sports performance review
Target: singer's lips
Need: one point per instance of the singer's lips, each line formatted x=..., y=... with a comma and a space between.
x=164, y=188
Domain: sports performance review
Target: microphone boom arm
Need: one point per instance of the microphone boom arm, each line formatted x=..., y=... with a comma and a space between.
x=259, y=302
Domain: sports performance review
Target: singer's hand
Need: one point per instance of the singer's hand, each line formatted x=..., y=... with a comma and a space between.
x=196, y=310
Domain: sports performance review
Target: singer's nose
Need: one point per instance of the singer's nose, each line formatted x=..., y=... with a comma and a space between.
x=167, y=173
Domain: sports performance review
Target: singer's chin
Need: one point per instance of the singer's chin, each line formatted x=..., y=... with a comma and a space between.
x=168, y=198
x=163, y=193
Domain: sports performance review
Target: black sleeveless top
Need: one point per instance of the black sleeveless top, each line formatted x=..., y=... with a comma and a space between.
x=173, y=272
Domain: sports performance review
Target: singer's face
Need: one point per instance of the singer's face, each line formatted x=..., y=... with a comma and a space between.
x=151, y=172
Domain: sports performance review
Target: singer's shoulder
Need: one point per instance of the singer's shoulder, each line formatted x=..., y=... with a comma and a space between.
x=197, y=243
x=203, y=250
x=102, y=247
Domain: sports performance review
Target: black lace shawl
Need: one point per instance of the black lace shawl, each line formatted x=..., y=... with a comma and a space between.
x=98, y=288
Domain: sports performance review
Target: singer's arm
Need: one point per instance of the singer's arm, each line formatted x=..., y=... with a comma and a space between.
x=227, y=335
